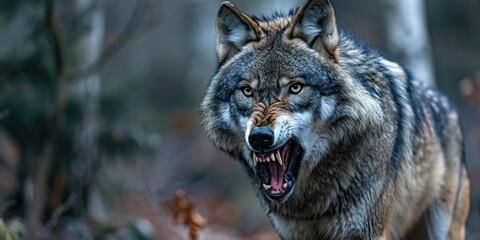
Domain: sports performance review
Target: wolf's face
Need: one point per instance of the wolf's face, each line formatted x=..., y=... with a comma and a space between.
x=279, y=99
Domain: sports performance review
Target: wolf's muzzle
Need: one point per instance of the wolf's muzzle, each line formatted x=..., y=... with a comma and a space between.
x=260, y=138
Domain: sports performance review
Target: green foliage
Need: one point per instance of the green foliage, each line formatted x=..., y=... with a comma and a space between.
x=7, y=233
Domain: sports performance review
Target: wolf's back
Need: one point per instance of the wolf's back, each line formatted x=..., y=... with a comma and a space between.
x=431, y=182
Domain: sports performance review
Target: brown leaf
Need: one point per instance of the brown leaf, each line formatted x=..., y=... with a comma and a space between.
x=183, y=211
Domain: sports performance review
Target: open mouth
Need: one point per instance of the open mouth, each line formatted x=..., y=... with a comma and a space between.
x=279, y=169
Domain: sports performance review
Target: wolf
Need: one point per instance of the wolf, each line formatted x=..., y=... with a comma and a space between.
x=338, y=141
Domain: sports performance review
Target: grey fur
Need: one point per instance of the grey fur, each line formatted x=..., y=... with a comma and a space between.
x=382, y=153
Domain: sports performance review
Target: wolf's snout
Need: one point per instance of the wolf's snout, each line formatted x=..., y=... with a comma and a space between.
x=260, y=138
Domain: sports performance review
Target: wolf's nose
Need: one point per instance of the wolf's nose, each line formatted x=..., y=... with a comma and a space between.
x=260, y=138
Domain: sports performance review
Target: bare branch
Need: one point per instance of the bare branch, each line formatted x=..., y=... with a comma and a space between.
x=124, y=37
x=135, y=28
x=60, y=210
x=41, y=174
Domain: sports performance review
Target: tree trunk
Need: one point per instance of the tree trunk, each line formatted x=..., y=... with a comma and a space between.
x=88, y=89
x=407, y=37
x=84, y=165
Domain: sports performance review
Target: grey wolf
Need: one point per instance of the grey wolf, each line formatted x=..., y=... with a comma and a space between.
x=339, y=142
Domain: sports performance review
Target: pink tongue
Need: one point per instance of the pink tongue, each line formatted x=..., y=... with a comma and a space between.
x=277, y=171
x=277, y=174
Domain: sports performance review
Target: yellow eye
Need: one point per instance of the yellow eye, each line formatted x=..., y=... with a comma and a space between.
x=247, y=91
x=296, y=88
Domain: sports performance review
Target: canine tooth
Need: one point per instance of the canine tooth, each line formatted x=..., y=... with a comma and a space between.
x=285, y=185
x=272, y=157
x=255, y=159
x=279, y=157
x=267, y=186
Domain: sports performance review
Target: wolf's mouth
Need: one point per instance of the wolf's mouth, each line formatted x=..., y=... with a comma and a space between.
x=279, y=169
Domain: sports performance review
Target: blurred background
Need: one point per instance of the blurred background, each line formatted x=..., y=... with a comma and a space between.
x=100, y=137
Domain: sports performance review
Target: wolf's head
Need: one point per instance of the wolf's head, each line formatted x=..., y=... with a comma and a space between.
x=283, y=94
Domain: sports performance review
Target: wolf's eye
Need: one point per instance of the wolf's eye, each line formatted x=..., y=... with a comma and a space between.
x=296, y=88
x=247, y=91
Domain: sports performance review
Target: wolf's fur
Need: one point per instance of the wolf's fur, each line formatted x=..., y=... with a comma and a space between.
x=382, y=154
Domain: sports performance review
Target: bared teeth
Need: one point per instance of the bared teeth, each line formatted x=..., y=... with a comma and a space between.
x=279, y=158
x=273, y=157
x=285, y=185
x=267, y=186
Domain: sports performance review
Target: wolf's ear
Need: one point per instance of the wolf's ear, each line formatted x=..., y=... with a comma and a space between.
x=315, y=24
x=234, y=30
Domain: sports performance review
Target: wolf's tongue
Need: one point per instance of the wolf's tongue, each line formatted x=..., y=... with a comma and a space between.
x=277, y=174
x=277, y=171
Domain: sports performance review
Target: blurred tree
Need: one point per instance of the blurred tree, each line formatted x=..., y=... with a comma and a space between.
x=407, y=37
x=153, y=82
x=88, y=88
x=50, y=108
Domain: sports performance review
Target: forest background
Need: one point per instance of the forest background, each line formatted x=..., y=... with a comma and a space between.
x=100, y=136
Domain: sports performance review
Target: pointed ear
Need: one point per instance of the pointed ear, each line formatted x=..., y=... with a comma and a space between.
x=234, y=30
x=315, y=24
